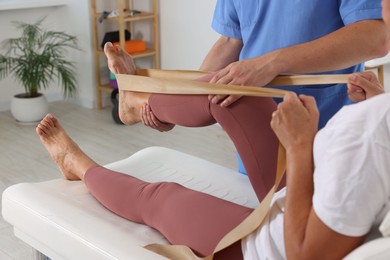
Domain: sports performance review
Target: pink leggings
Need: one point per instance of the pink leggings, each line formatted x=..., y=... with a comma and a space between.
x=185, y=216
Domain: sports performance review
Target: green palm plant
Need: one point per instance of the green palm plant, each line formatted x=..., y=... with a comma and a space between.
x=37, y=58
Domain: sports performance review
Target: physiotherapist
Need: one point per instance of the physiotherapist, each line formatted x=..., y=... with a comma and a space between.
x=263, y=38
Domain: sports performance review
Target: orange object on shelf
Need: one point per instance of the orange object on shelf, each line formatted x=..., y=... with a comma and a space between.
x=133, y=46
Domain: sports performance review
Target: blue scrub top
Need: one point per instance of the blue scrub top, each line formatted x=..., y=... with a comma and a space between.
x=267, y=25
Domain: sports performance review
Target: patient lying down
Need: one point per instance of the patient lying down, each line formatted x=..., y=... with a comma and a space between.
x=324, y=211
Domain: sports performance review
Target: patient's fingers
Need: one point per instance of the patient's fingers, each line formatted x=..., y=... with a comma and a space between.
x=143, y=115
x=147, y=117
x=367, y=81
x=150, y=120
x=369, y=75
x=363, y=85
x=216, y=99
x=229, y=100
x=310, y=103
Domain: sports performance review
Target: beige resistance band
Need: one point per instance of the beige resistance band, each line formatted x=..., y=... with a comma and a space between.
x=181, y=82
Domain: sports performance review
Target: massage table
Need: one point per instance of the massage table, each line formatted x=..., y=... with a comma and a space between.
x=61, y=220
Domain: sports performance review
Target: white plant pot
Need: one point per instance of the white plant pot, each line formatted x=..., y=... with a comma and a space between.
x=29, y=110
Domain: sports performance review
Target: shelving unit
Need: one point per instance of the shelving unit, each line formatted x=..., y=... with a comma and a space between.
x=124, y=21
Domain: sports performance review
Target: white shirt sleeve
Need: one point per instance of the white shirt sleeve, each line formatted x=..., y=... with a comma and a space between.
x=348, y=189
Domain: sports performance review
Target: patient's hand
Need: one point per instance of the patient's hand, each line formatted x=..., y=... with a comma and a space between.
x=150, y=120
x=119, y=61
x=363, y=85
x=295, y=122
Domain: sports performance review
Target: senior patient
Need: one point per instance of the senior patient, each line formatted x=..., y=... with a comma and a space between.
x=338, y=180
x=334, y=208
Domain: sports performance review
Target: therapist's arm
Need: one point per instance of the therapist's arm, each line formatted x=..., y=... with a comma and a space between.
x=224, y=51
x=306, y=236
x=343, y=48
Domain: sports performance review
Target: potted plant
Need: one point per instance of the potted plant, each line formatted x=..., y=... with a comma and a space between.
x=35, y=59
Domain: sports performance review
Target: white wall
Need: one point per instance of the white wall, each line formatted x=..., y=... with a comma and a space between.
x=186, y=34
x=186, y=37
x=387, y=77
x=73, y=19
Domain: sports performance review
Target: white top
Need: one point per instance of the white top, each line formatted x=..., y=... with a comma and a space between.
x=351, y=178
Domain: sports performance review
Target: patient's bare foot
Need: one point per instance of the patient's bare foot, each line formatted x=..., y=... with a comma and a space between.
x=130, y=103
x=72, y=162
x=119, y=61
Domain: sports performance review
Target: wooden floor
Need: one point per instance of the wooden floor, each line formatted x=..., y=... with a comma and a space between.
x=23, y=159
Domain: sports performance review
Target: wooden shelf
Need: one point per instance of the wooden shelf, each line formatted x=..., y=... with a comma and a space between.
x=105, y=88
x=136, y=55
x=133, y=18
x=124, y=21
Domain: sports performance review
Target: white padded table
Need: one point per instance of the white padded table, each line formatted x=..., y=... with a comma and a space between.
x=63, y=221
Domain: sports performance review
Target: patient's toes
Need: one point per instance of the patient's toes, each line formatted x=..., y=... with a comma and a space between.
x=39, y=130
x=44, y=126
x=51, y=121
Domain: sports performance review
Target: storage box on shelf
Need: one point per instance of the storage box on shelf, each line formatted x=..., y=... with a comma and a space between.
x=125, y=20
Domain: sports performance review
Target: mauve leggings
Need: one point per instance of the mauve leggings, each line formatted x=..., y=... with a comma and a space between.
x=184, y=216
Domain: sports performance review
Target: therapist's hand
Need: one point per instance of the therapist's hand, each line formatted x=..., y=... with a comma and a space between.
x=150, y=120
x=295, y=122
x=251, y=72
x=363, y=85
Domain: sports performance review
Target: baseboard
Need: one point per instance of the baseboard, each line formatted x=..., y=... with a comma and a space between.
x=87, y=103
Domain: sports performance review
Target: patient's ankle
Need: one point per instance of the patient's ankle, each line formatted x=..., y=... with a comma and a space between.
x=130, y=104
x=128, y=115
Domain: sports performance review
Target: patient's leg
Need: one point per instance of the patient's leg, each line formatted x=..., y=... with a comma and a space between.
x=183, y=216
x=247, y=122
